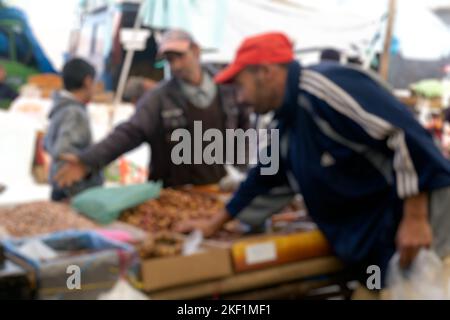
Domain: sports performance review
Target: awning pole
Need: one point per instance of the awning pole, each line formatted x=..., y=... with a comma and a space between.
x=125, y=68
x=384, y=64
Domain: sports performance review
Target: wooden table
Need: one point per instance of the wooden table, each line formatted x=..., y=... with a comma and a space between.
x=292, y=272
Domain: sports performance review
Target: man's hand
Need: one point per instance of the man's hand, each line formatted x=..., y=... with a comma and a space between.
x=207, y=226
x=414, y=231
x=72, y=171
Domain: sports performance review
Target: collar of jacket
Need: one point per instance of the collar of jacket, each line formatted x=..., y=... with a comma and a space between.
x=290, y=104
x=173, y=88
x=200, y=96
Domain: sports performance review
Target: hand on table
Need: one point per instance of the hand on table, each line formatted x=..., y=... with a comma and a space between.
x=207, y=226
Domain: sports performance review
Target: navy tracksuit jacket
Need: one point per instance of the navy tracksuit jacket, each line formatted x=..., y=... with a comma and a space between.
x=354, y=152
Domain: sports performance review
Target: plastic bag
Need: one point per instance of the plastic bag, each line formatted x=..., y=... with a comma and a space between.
x=38, y=250
x=192, y=243
x=104, y=205
x=424, y=280
x=232, y=180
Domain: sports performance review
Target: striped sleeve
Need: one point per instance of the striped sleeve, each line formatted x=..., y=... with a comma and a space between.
x=375, y=125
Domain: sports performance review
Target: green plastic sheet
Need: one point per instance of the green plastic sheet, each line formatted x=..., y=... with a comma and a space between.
x=104, y=205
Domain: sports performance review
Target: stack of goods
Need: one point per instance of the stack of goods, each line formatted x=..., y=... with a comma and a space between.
x=100, y=95
x=231, y=231
x=213, y=190
x=41, y=161
x=292, y=218
x=446, y=137
x=125, y=172
x=288, y=222
x=162, y=244
x=46, y=83
x=172, y=207
x=40, y=218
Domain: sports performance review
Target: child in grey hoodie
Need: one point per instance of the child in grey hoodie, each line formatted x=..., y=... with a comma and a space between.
x=69, y=129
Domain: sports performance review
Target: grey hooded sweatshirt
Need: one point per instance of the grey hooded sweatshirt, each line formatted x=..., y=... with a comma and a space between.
x=69, y=132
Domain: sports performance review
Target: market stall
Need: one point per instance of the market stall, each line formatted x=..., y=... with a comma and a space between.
x=161, y=263
x=346, y=151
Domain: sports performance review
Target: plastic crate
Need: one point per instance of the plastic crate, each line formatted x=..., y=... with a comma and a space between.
x=100, y=266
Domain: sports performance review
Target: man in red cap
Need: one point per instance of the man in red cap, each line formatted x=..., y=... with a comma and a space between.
x=190, y=96
x=369, y=174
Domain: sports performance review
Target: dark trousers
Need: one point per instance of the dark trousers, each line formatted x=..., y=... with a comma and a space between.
x=58, y=195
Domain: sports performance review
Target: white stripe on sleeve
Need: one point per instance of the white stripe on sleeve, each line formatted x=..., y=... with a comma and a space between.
x=323, y=88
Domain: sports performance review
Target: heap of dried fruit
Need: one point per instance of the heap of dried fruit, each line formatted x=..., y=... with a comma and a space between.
x=170, y=208
x=42, y=217
x=163, y=244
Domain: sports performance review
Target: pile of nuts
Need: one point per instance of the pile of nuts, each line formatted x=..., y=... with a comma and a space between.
x=42, y=217
x=170, y=208
x=163, y=244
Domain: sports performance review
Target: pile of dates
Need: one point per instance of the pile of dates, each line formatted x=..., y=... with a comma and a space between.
x=172, y=207
x=162, y=244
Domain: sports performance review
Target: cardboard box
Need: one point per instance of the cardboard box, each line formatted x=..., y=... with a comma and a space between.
x=212, y=263
x=260, y=252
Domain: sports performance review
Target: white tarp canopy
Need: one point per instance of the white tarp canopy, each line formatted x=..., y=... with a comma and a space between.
x=348, y=25
x=421, y=35
x=222, y=24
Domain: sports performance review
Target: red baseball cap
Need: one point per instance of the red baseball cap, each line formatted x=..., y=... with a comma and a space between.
x=272, y=47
